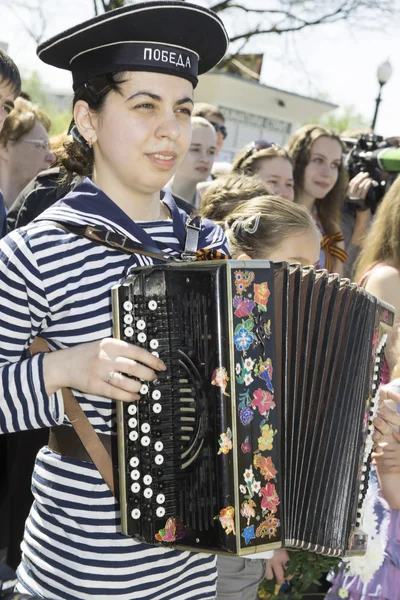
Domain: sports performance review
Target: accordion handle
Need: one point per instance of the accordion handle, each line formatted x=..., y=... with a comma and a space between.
x=82, y=426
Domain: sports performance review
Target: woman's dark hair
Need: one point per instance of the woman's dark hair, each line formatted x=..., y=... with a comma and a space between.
x=249, y=160
x=77, y=156
x=299, y=148
x=9, y=73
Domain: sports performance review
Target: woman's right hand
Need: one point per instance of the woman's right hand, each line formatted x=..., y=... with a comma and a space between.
x=101, y=368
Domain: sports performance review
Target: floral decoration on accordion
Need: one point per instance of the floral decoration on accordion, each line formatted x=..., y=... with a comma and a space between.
x=220, y=378
x=247, y=510
x=256, y=406
x=248, y=534
x=225, y=442
x=244, y=336
x=261, y=295
x=227, y=519
x=243, y=279
x=265, y=465
x=268, y=527
x=172, y=531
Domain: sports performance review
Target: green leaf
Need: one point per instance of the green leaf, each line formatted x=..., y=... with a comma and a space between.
x=249, y=324
x=238, y=328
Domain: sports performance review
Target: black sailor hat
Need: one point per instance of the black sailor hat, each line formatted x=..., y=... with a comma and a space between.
x=166, y=36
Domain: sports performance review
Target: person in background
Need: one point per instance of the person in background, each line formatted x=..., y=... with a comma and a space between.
x=320, y=184
x=376, y=575
x=196, y=166
x=10, y=88
x=221, y=169
x=378, y=267
x=270, y=163
x=264, y=228
x=24, y=148
x=45, y=189
x=212, y=114
x=225, y=194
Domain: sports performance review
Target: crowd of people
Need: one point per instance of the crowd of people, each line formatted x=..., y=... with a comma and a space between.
x=138, y=158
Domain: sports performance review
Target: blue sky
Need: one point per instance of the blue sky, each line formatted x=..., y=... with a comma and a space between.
x=337, y=62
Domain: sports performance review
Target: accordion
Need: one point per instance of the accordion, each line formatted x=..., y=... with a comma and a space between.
x=258, y=435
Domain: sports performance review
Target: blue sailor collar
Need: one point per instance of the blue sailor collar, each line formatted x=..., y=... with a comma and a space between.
x=87, y=204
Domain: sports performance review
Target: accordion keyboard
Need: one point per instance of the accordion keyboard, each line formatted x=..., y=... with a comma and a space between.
x=167, y=464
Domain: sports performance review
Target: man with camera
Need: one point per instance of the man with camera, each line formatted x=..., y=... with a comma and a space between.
x=373, y=164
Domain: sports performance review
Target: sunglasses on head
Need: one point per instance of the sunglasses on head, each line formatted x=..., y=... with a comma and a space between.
x=220, y=129
x=256, y=147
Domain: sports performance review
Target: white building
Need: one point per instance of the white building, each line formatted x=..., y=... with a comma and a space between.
x=255, y=111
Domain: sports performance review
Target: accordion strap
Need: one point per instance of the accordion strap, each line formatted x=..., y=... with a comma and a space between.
x=118, y=241
x=111, y=239
x=82, y=426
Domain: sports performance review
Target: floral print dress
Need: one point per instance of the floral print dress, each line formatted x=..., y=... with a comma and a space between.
x=376, y=575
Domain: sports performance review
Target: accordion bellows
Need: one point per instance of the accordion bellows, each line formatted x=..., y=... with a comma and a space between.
x=258, y=434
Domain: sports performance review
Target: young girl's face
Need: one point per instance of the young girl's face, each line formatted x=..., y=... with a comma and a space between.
x=321, y=173
x=143, y=132
x=303, y=248
x=277, y=173
x=198, y=162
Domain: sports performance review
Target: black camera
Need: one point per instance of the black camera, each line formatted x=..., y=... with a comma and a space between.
x=376, y=156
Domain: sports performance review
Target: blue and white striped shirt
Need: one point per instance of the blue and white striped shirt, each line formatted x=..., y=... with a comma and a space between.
x=58, y=285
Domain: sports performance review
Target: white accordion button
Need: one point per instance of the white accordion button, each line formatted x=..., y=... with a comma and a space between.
x=157, y=408
x=148, y=492
x=142, y=337
x=135, y=475
x=128, y=319
x=156, y=354
x=156, y=394
x=160, y=499
x=134, y=462
x=144, y=389
x=154, y=344
x=152, y=305
x=128, y=305
x=145, y=440
x=132, y=409
x=141, y=325
x=135, y=513
x=135, y=487
x=128, y=332
x=160, y=512
x=145, y=428
x=132, y=423
x=147, y=480
x=159, y=459
x=158, y=446
x=133, y=436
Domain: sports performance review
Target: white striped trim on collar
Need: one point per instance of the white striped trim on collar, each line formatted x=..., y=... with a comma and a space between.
x=133, y=42
x=146, y=8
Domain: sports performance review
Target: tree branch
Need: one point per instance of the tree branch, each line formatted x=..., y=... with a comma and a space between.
x=336, y=15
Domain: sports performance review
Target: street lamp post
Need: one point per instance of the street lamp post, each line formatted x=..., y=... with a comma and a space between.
x=383, y=73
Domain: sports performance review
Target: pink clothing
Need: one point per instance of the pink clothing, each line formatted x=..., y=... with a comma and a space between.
x=362, y=282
